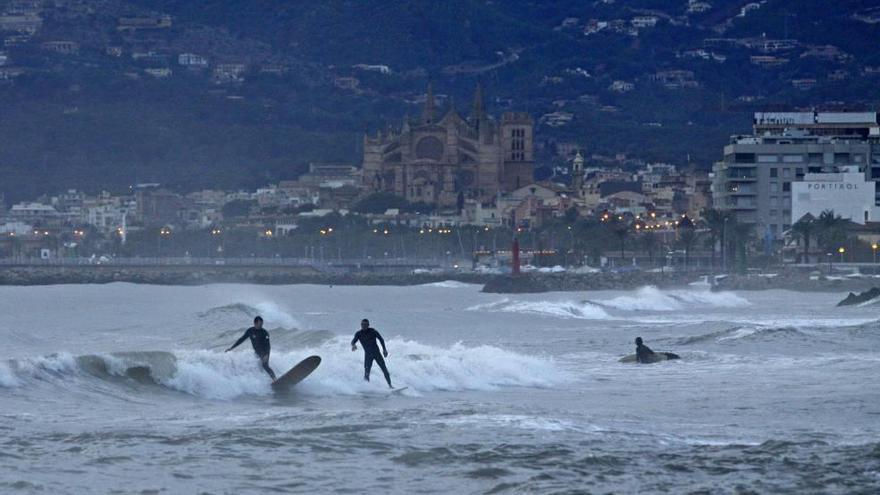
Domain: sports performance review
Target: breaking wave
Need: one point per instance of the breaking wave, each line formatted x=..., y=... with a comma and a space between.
x=650, y=298
x=746, y=333
x=561, y=309
x=273, y=314
x=225, y=376
x=449, y=284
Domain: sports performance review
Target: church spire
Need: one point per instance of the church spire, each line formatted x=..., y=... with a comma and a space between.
x=478, y=112
x=428, y=114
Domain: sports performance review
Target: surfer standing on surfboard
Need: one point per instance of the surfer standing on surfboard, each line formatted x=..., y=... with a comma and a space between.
x=260, y=340
x=367, y=337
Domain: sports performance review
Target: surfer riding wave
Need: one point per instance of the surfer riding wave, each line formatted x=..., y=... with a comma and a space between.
x=367, y=337
x=260, y=340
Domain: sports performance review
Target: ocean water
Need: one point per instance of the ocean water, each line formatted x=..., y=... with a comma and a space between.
x=126, y=389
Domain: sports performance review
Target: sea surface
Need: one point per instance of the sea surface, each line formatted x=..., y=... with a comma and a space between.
x=125, y=388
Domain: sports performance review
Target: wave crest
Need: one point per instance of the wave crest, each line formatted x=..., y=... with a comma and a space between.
x=650, y=298
x=560, y=309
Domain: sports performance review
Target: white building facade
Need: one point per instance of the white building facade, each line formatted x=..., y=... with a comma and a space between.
x=847, y=193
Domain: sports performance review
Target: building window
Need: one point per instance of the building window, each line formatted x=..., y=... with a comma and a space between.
x=774, y=187
x=799, y=173
x=786, y=173
x=786, y=187
x=774, y=172
x=792, y=158
x=744, y=157
x=517, y=144
x=768, y=158
x=774, y=201
x=774, y=213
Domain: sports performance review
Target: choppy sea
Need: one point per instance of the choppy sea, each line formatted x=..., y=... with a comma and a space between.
x=125, y=388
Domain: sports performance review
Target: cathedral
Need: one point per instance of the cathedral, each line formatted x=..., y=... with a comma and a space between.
x=444, y=160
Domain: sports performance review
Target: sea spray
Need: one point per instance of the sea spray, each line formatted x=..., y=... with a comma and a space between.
x=650, y=298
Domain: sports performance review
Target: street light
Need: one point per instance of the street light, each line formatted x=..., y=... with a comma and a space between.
x=841, y=250
x=874, y=248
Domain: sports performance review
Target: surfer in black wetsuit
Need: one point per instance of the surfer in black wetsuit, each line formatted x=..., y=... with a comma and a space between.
x=367, y=337
x=260, y=340
x=643, y=352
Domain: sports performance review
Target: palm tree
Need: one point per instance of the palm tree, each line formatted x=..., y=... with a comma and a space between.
x=804, y=229
x=716, y=221
x=649, y=241
x=831, y=232
x=687, y=234
x=741, y=234
x=620, y=229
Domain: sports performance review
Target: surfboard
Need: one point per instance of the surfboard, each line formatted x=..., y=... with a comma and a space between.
x=655, y=358
x=397, y=390
x=297, y=374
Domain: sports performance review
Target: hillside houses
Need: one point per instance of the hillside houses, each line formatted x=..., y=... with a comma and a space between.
x=21, y=23
x=229, y=73
x=675, y=79
x=132, y=24
x=191, y=60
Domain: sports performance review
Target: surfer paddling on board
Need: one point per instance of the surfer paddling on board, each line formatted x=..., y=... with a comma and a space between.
x=643, y=352
x=367, y=337
x=260, y=340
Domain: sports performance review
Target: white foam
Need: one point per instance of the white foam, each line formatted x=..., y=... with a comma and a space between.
x=650, y=298
x=739, y=333
x=560, y=309
x=426, y=368
x=62, y=362
x=218, y=376
x=713, y=299
x=420, y=367
x=7, y=377
x=13, y=373
x=448, y=284
x=517, y=421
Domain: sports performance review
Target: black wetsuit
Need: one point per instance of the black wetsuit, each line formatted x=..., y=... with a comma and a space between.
x=368, y=338
x=260, y=340
x=643, y=353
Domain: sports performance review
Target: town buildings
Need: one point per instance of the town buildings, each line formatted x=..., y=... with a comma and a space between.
x=755, y=176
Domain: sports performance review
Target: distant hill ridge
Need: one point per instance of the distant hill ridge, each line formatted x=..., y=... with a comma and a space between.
x=287, y=83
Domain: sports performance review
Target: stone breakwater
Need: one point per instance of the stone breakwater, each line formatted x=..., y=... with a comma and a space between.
x=526, y=283
x=274, y=275
x=189, y=275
